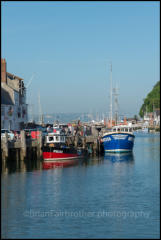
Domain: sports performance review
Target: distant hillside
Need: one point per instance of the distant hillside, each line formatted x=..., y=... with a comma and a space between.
x=152, y=100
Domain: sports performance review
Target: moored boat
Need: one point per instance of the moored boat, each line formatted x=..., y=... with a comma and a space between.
x=119, y=139
x=56, y=153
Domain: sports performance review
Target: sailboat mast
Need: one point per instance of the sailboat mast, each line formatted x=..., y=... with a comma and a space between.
x=40, y=109
x=111, y=95
x=115, y=93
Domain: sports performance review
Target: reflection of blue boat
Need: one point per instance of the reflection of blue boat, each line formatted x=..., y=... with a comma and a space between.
x=119, y=157
x=120, y=139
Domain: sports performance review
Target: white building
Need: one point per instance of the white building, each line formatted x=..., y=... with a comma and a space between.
x=152, y=118
x=157, y=117
x=13, y=100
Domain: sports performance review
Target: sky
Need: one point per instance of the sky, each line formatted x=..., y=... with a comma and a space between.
x=63, y=51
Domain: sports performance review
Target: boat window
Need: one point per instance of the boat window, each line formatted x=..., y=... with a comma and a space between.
x=62, y=138
x=118, y=129
x=57, y=138
x=130, y=130
x=126, y=129
x=50, y=138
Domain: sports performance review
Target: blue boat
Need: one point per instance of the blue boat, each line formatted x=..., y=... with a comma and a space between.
x=119, y=139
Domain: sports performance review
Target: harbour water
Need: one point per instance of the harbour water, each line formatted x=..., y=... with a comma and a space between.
x=114, y=196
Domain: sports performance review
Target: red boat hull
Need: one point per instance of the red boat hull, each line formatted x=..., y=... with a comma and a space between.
x=54, y=160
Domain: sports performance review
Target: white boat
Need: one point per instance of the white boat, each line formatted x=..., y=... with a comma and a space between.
x=144, y=130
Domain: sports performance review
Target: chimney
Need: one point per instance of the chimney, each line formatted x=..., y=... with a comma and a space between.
x=3, y=71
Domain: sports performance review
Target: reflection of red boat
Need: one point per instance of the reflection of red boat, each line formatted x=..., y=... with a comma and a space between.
x=56, y=153
x=59, y=164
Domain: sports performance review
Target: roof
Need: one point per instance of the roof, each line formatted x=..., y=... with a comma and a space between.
x=13, y=76
x=6, y=98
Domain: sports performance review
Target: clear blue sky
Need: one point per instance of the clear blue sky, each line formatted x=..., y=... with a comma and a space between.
x=68, y=46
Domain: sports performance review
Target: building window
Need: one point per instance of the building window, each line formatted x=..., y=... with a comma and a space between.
x=10, y=111
x=23, y=112
x=2, y=111
x=10, y=125
x=19, y=112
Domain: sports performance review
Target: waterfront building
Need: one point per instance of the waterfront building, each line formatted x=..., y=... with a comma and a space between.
x=157, y=117
x=13, y=100
x=152, y=118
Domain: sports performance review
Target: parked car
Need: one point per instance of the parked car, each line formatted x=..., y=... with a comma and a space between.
x=10, y=134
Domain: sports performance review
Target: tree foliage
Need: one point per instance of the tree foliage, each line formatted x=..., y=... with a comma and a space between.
x=152, y=100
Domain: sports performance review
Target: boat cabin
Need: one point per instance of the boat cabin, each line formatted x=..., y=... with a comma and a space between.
x=121, y=129
x=55, y=138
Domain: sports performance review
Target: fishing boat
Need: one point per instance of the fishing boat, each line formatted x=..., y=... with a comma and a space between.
x=119, y=139
x=56, y=153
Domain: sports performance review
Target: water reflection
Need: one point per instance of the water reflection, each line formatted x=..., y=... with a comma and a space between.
x=31, y=165
x=10, y=166
x=119, y=157
x=110, y=184
x=92, y=161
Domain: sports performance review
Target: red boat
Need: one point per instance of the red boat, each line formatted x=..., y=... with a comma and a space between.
x=56, y=153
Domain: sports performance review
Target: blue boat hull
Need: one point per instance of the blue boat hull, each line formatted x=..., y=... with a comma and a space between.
x=118, y=142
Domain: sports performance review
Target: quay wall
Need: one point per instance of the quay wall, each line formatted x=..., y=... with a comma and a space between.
x=29, y=149
x=25, y=148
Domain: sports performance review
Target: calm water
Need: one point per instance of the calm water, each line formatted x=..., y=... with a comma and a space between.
x=107, y=197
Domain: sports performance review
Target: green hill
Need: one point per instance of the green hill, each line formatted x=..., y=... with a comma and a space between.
x=151, y=101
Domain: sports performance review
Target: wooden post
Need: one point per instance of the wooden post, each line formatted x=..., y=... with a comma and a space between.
x=76, y=141
x=5, y=147
x=39, y=145
x=84, y=142
x=95, y=147
x=17, y=156
x=22, y=166
x=94, y=131
x=23, y=146
x=99, y=145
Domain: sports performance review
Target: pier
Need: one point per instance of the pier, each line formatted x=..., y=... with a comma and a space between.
x=21, y=148
x=28, y=149
x=25, y=148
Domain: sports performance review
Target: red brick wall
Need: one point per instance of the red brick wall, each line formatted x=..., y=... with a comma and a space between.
x=3, y=70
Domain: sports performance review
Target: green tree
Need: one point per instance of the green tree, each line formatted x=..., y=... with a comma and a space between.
x=152, y=100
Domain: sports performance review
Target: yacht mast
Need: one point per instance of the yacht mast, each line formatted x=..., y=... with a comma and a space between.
x=111, y=95
x=40, y=110
x=115, y=93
